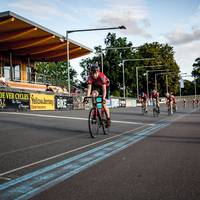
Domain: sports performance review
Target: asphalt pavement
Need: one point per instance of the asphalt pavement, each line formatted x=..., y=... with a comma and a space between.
x=49, y=155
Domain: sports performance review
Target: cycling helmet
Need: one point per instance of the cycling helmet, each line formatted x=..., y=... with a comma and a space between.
x=94, y=67
x=167, y=94
x=154, y=91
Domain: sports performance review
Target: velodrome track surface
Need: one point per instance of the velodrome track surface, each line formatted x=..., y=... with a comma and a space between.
x=50, y=155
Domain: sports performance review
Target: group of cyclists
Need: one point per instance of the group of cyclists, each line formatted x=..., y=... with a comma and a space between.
x=98, y=84
x=195, y=102
x=154, y=98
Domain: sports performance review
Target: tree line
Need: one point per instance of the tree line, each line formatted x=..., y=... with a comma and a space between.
x=162, y=59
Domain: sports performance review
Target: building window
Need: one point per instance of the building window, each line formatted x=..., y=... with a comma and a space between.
x=17, y=72
x=6, y=72
x=28, y=73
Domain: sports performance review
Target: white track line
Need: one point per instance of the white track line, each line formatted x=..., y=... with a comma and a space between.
x=70, y=151
x=73, y=118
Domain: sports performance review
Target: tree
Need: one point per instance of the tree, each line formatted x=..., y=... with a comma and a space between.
x=56, y=73
x=196, y=69
x=188, y=88
x=163, y=54
x=196, y=73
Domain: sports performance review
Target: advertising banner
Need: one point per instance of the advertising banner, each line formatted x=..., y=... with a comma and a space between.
x=14, y=100
x=42, y=102
x=64, y=102
x=114, y=103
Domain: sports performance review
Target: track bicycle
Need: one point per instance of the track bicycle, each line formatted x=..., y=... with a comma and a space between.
x=155, y=108
x=174, y=107
x=170, y=108
x=97, y=117
x=184, y=103
x=144, y=110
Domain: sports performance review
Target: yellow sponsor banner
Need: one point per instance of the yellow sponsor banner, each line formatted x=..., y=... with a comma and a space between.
x=42, y=102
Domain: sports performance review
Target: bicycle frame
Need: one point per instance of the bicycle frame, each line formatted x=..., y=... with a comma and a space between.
x=170, y=107
x=96, y=118
x=155, y=108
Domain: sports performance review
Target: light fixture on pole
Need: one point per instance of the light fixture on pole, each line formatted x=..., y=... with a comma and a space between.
x=147, y=72
x=112, y=48
x=138, y=67
x=123, y=63
x=166, y=74
x=83, y=30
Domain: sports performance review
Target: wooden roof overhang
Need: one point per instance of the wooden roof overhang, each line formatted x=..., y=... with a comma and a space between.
x=25, y=38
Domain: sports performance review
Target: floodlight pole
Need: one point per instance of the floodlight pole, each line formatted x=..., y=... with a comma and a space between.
x=68, y=71
x=82, y=30
x=165, y=73
x=137, y=85
x=195, y=88
x=147, y=78
x=123, y=63
x=112, y=48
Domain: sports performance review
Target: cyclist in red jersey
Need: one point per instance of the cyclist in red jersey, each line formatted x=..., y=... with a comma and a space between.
x=98, y=83
x=171, y=101
x=143, y=100
x=155, y=95
x=197, y=102
x=193, y=102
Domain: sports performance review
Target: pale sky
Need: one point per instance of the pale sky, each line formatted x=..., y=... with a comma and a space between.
x=175, y=22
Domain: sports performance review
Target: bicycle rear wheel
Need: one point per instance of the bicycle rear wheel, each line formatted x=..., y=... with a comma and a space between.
x=93, y=122
x=154, y=109
x=170, y=111
x=157, y=112
x=154, y=112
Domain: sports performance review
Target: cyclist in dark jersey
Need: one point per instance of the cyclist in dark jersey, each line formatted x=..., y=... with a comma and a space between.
x=98, y=84
x=144, y=99
x=155, y=96
x=197, y=102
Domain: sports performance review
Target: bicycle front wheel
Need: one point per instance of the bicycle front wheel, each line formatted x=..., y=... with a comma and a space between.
x=93, y=122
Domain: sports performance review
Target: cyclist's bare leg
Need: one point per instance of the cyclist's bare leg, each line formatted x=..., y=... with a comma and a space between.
x=145, y=106
x=171, y=107
x=106, y=110
x=107, y=115
x=158, y=105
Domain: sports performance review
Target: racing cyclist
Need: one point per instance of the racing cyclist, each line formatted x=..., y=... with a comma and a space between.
x=170, y=101
x=155, y=97
x=144, y=100
x=98, y=83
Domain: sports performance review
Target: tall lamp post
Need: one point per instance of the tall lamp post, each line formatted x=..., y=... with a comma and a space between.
x=147, y=77
x=166, y=74
x=83, y=30
x=112, y=48
x=151, y=66
x=123, y=63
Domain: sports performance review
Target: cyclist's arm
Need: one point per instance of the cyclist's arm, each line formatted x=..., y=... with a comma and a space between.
x=104, y=91
x=89, y=89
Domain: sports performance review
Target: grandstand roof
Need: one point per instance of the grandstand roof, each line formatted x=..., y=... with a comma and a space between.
x=25, y=38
